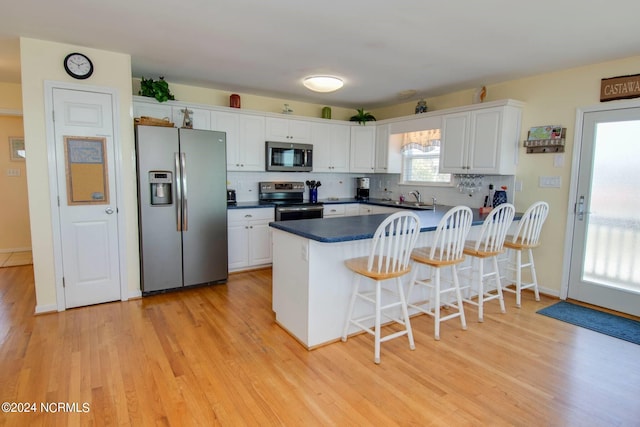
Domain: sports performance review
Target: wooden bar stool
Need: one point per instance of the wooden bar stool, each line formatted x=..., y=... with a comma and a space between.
x=487, y=248
x=389, y=259
x=445, y=251
x=526, y=238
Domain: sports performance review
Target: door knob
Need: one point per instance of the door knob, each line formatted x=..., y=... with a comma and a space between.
x=109, y=211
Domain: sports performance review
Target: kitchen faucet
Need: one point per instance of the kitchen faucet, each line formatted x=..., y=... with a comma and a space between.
x=416, y=194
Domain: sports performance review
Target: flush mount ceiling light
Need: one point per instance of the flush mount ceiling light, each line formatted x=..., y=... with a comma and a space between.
x=322, y=83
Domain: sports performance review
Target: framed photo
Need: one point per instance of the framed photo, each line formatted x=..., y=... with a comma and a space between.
x=16, y=147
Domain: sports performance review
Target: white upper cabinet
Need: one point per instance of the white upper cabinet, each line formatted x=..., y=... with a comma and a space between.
x=388, y=155
x=363, y=149
x=330, y=147
x=481, y=141
x=245, y=139
x=200, y=118
x=152, y=109
x=288, y=130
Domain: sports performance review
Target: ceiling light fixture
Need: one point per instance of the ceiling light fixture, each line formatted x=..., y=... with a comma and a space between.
x=322, y=83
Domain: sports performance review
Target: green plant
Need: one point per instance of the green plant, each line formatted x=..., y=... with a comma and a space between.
x=362, y=117
x=156, y=89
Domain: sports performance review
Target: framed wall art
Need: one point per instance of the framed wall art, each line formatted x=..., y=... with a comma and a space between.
x=16, y=147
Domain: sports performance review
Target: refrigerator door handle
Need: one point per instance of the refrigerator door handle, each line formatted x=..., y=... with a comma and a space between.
x=185, y=210
x=178, y=193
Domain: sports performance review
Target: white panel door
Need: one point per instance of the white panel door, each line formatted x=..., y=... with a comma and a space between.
x=88, y=215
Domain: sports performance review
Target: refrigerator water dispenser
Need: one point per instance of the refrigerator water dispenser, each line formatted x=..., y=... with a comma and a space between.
x=161, y=191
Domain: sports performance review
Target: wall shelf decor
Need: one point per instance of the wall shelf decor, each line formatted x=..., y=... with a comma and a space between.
x=546, y=139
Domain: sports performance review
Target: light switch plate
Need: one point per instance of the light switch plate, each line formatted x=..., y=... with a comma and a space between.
x=558, y=161
x=549, y=181
x=13, y=172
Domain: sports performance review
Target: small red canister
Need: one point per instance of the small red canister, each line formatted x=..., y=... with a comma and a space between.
x=234, y=101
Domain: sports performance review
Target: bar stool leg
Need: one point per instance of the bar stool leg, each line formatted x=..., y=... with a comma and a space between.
x=456, y=283
x=533, y=275
x=376, y=331
x=436, y=309
x=499, y=284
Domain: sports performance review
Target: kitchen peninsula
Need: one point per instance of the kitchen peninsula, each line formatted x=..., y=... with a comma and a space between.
x=311, y=285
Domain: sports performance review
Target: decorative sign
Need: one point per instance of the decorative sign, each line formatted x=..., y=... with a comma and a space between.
x=623, y=87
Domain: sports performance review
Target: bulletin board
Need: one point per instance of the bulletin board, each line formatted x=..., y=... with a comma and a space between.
x=86, y=170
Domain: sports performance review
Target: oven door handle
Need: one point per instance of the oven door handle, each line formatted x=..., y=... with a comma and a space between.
x=298, y=209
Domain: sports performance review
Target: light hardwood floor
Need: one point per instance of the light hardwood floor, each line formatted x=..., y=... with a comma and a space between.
x=214, y=356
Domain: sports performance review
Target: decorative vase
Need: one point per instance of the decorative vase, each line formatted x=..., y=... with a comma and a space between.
x=234, y=101
x=421, y=107
x=326, y=113
x=499, y=197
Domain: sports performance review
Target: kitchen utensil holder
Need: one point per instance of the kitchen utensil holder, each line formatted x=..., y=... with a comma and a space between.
x=313, y=195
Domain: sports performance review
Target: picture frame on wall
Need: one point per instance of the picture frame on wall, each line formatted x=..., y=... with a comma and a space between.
x=16, y=147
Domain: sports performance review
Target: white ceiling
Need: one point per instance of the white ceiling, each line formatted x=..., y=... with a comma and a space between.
x=380, y=48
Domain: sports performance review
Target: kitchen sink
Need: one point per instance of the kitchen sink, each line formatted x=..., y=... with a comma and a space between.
x=411, y=205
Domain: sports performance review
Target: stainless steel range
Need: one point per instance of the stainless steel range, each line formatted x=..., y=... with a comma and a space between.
x=288, y=196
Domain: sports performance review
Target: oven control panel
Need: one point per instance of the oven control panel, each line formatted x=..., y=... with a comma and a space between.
x=281, y=187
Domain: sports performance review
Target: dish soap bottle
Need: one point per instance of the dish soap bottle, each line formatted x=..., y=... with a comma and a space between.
x=500, y=196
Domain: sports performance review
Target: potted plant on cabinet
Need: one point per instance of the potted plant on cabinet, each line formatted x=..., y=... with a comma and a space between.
x=156, y=89
x=362, y=117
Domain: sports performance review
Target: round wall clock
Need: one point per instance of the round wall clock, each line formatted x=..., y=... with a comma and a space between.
x=78, y=66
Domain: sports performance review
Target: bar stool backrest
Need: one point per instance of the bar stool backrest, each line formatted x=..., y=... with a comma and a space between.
x=451, y=233
x=528, y=233
x=393, y=242
x=494, y=229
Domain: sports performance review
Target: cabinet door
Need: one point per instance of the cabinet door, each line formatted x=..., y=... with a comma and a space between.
x=300, y=131
x=200, y=119
x=339, y=140
x=334, y=210
x=252, y=142
x=484, y=143
x=152, y=110
x=330, y=147
x=321, y=140
x=352, y=209
x=365, y=210
x=229, y=123
x=277, y=129
x=455, y=140
x=363, y=142
x=238, y=244
x=382, y=149
x=259, y=243
x=286, y=130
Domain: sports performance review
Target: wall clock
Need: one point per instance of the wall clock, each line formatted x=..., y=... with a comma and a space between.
x=78, y=66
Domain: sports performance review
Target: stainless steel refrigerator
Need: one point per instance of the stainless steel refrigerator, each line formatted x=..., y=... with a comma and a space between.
x=182, y=207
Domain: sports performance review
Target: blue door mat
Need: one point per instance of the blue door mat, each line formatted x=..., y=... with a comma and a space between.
x=599, y=321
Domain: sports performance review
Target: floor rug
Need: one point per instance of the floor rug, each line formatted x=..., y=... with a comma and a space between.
x=599, y=321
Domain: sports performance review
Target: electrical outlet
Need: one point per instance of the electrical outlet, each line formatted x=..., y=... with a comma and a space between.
x=549, y=181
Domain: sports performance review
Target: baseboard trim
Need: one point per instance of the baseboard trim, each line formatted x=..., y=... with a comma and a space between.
x=6, y=251
x=43, y=309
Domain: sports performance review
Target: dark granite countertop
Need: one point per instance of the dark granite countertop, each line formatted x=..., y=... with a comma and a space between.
x=344, y=229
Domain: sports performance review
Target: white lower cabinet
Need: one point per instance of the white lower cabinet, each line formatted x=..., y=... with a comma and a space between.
x=249, y=237
x=343, y=209
x=333, y=211
x=374, y=209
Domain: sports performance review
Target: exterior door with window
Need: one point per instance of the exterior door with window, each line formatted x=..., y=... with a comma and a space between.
x=606, y=232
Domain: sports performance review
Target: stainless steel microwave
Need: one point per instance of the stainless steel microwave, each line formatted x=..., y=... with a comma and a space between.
x=288, y=157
